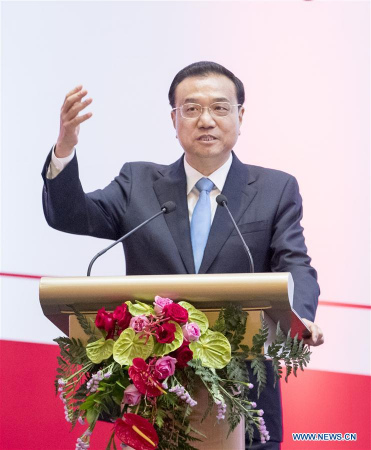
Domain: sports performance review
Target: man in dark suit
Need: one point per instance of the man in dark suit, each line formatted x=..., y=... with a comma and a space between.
x=207, y=102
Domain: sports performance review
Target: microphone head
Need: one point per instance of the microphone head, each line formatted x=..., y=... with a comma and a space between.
x=221, y=200
x=168, y=207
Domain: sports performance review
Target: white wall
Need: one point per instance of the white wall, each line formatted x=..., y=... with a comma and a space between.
x=305, y=66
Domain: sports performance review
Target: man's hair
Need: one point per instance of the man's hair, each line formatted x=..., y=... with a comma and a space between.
x=205, y=68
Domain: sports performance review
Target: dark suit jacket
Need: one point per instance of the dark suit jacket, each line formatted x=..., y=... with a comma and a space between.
x=265, y=203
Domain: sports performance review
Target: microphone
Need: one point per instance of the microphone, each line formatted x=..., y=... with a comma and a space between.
x=222, y=201
x=166, y=208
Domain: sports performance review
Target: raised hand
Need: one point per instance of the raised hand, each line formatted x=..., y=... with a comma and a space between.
x=70, y=121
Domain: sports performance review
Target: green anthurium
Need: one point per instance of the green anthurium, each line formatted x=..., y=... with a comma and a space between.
x=213, y=349
x=131, y=345
x=196, y=316
x=99, y=350
x=138, y=308
x=164, y=349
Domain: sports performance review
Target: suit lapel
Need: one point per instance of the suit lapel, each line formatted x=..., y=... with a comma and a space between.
x=239, y=195
x=172, y=185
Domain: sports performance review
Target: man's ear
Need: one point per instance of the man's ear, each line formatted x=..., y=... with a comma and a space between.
x=240, y=114
x=173, y=118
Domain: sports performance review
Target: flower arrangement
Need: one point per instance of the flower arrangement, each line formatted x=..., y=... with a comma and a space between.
x=141, y=364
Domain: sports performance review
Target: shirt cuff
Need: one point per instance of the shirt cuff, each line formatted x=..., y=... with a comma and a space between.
x=61, y=163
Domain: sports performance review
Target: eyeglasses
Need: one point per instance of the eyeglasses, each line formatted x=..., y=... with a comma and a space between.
x=194, y=110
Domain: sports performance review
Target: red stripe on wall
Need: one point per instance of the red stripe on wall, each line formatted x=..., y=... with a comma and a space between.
x=20, y=275
x=343, y=305
x=32, y=417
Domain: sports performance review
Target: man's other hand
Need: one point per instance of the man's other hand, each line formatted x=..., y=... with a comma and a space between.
x=70, y=121
x=316, y=337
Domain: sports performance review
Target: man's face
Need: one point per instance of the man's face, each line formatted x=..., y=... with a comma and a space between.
x=207, y=136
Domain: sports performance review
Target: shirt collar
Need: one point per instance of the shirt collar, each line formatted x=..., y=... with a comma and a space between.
x=218, y=177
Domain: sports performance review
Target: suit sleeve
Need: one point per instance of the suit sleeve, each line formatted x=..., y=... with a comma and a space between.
x=290, y=252
x=67, y=208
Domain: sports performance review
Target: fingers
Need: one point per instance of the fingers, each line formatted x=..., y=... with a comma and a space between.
x=70, y=119
x=70, y=100
x=320, y=338
x=72, y=106
x=76, y=108
x=74, y=91
x=316, y=337
x=77, y=120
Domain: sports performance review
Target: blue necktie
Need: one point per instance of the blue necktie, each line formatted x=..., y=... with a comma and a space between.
x=201, y=221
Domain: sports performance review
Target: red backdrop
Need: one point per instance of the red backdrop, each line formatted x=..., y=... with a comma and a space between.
x=32, y=417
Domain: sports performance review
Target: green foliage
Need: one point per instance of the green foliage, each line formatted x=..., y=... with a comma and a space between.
x=131, y=345
x=111, y=442
x=176, y=432
x=232, y=323
x=234, y=417
x=87, y=325
x=196, y=316
x=249, y=430
x=99, y=350
x=210, y=404
x=260, y=372
x=72, y=350
x=92, y=415
x=160, y=416
x=274, y=351
x=73, y=354
x=245, y=350
x=295, y=354
x=138, y=308
x=213, y=349
x=222, y=371
x=292, y=351
x=257, y=351
x=107, y=399
x=260, y=338
x=237, y=371
x=206, y=374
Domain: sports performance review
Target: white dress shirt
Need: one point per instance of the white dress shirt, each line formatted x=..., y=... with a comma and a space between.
x=193, y=176
x=218, y=178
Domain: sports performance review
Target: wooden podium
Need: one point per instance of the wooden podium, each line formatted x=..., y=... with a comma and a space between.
x=271, y=293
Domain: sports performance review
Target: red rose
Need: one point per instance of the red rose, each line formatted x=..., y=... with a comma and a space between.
x=176, y=313
x=99, y=320
x=109, y=322
x=122, y=315
x=165, y=333
x=105, y=321
x=183, y=354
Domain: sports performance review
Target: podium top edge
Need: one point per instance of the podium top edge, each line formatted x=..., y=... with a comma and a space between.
x=272, y=275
